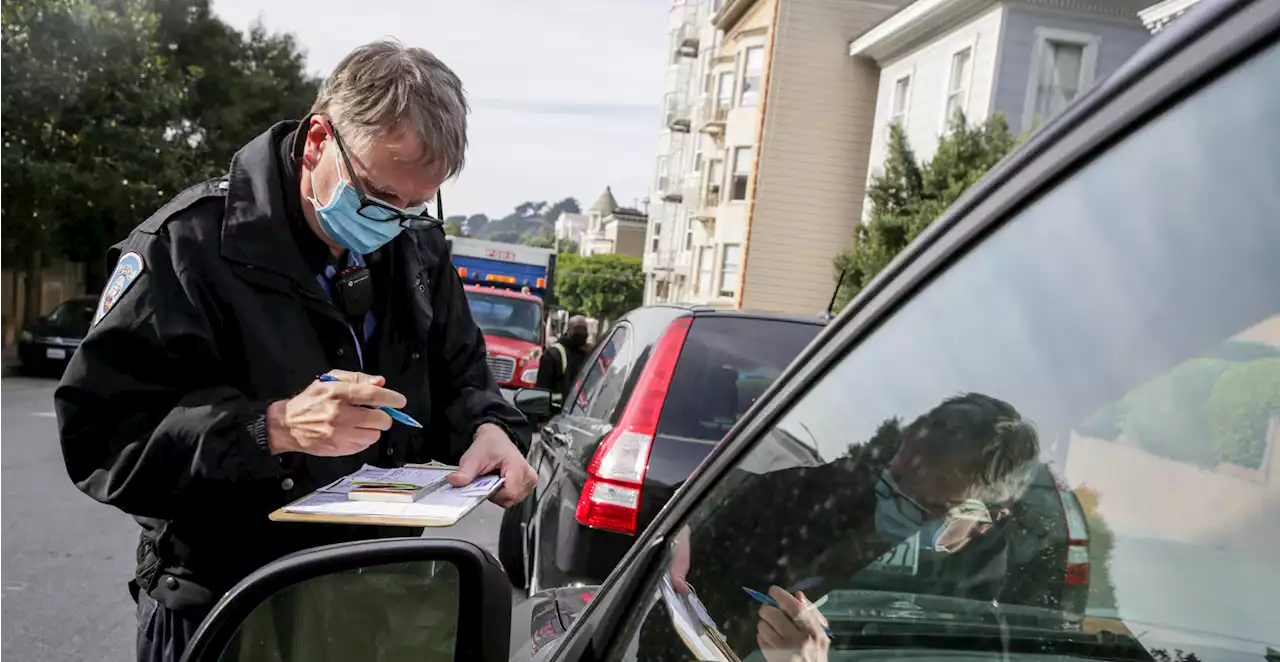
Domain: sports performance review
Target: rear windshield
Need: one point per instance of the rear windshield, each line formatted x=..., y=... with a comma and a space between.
x=726, y=364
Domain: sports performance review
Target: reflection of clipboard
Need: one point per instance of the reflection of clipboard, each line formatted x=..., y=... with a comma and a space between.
x=694, y=625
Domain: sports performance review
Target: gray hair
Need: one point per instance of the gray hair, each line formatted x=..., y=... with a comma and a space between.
x=384, y=87
x=983, y=436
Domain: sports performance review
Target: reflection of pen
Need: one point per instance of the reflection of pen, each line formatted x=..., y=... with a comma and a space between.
x=766, y=600
x=395, y=414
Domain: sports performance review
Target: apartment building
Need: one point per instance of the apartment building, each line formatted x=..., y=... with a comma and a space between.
x=1025, y=59
x=1158, y=16
x=762, y=162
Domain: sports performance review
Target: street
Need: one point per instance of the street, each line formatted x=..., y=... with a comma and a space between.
x=66, y=558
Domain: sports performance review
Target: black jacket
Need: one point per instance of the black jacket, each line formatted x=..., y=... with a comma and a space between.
x=157, y=410
x=557, y=371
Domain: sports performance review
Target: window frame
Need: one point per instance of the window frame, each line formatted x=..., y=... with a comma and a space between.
x=722, y=292
x=965, y=83
x=727, y=103
x=742, y=88
x=733, y=174
x=703, y=284
x=1158, y=78
x=896, y=115
x=1090, y=43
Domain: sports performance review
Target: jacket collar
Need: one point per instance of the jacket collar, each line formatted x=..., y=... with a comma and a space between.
x=255, y=230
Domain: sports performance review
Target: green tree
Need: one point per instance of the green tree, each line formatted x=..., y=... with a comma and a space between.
x=906, y=196
x=603, y=287
x=544, y=239
x=92, y=126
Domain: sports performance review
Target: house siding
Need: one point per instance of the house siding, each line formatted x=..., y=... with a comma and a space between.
x=812, y=164
x=930, y=69
x=1119, y=40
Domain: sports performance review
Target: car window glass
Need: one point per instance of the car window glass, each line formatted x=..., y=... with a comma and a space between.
x=725, y=366
x=593, y=372
x=1073, y=430
x=620, y=360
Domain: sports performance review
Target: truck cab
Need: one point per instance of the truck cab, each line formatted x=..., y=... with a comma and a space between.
x=509, y=288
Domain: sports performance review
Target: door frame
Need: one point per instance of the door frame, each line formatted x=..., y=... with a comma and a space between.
x=1192, y=54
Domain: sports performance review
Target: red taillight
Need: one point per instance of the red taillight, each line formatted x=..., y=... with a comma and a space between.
x=611, y=497
x=1076, y=572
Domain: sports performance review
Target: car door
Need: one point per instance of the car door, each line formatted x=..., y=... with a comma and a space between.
x=572, y=435
x=1103, y=310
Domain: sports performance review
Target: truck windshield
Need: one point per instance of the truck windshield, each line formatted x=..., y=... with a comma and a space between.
x=506, y=316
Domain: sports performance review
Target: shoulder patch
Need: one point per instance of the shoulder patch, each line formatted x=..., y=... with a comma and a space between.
x=127, y=271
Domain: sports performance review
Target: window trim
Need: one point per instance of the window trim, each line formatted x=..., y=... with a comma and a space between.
x=595, y=355
x=742, y=79
x=730, y=173
x=910, y=77
x=1091, y=44
x=966, y=90
x=1154, y=80
x=737, y=275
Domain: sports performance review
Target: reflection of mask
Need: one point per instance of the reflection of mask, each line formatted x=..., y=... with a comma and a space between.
x=341, y=218
x=897, y=515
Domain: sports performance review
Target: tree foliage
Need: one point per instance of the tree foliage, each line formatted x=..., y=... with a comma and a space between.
x=907, y=195
x=110, y=107
x=602, y=287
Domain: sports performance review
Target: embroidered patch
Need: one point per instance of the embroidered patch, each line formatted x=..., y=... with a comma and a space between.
x=127, y=270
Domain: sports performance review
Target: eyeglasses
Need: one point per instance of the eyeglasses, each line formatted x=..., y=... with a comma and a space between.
x=377, y=210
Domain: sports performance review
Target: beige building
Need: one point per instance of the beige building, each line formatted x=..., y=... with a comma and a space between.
x=613, y=229
x=763, y=160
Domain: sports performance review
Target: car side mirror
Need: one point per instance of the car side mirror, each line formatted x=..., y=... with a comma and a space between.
x=537, y=404
x=400, y=598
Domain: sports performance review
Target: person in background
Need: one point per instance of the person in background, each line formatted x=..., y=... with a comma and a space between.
x=562, y=360
x=194, y=402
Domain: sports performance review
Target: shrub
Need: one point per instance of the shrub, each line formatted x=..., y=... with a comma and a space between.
x=1242, y=403
x=1166, y=416
x=1242, y=350
x=1106, y=423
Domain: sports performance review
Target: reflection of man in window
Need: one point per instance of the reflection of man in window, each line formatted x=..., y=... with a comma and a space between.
x=563, y=359
x=840, y=525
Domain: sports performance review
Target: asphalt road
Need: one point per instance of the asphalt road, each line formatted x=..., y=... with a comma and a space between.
x=65, y=559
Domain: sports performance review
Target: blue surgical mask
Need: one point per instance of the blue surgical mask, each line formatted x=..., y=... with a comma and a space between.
x=341, y=219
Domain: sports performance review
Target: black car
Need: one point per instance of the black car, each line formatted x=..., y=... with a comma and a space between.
x=662, y=388
x=47, y=346
x=1088, y=282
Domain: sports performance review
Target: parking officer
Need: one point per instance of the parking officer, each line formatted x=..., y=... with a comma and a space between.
x=193, y=403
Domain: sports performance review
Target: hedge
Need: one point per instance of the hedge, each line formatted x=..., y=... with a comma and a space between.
x=1243, y=402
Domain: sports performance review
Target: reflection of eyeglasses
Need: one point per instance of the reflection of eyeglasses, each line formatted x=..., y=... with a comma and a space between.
x=377, y=210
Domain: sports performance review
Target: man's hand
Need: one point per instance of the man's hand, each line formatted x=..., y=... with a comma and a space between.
x=331, y=418
x=492, y=450
x=794, y=631
x=681, y=554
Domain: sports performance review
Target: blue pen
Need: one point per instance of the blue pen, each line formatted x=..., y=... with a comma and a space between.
x=766, y=600
x=395, y=414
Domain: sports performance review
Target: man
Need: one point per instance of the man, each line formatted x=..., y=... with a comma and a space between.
x=193, y=403
x=563, y=359
x=814, y=529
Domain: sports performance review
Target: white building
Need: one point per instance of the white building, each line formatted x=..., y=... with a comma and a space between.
x=571, y=227
x=1026, y=59
x=1158, y=16
x=613, y=229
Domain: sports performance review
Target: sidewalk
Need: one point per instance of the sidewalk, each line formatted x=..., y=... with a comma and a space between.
x=10, y=361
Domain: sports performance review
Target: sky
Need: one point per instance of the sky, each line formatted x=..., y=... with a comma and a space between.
x=565, y=94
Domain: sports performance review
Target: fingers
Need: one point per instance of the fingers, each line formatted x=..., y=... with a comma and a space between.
x=364, y=418
x=778, y=621
x=369, y=395
x=681, y=555
x=786, y=602
x=357, y=377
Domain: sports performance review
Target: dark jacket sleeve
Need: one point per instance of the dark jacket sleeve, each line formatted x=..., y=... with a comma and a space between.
x=145, y=423
x=550, y=376
x=461, y=384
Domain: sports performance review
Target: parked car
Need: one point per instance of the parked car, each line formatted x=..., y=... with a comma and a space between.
x=662, y=388
x=1126, y=238
x=47, y=346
